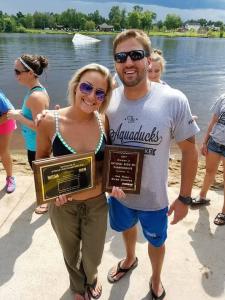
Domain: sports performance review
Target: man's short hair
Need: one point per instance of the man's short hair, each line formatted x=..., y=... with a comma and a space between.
x=139, y=35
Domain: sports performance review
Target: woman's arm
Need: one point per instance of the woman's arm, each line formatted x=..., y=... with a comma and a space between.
x=37, y=102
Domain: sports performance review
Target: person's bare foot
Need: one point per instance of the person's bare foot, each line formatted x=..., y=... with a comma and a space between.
x=95, y=290
x=80, y=297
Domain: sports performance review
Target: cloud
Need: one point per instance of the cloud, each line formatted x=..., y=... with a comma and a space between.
x=191, y=4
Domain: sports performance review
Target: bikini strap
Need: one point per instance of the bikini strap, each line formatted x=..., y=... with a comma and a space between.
x=56, y=115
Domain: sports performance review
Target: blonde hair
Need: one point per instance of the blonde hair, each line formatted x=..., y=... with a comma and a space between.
x=75, y=80
x=139, y=35
x=157, y=56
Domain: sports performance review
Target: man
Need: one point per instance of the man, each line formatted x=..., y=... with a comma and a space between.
x=148, y=115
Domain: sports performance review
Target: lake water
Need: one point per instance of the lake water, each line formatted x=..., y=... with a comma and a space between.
x=194, y=65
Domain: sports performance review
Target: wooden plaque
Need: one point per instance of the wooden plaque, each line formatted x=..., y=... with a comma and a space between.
x=65, y=174
x=123, y=168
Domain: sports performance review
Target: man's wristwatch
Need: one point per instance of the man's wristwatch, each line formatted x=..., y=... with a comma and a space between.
x=185, y=200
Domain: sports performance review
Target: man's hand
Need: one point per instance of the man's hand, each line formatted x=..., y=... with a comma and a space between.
x=179, y=210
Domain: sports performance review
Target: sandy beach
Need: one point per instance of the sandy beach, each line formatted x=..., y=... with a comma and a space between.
x=21, y=167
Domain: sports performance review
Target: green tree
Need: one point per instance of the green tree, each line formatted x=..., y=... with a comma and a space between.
x=146, y=19
x=9, y=25
x=89, y=25
x=96, y=17
x=172, y=21
x=115, y=17
x=202, y=22
x=134, y=19
x=138, y=8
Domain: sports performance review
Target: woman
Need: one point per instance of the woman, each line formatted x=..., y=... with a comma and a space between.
x=6, y=131
x=81, y=219
x=157, y=66
x=27, y=69
x=213, y=148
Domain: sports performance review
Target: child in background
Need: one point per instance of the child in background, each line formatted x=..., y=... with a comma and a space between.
x=6, y=130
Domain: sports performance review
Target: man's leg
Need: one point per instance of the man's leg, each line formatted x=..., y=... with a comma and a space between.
x=156, y=255
x=123, y=219
x=129, y=238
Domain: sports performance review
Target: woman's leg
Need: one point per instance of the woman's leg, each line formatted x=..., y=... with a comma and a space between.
x=43, y=208
x=66, y=223
x=212, y=163
x=94, y=225
x=5, y=140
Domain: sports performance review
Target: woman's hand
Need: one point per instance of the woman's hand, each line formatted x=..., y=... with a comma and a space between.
x=14, y=114
x=204, y=149
x=62, y=199
x=117, y=192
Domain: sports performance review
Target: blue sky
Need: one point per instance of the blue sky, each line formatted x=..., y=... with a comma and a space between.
x=190, y=9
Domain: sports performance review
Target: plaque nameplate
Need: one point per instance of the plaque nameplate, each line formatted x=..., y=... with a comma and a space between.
x=123, y=168
x=67, y=174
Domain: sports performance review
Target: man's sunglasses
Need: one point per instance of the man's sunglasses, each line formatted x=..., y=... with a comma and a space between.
x=87, y=88
x=18, y=72
x=121, y=57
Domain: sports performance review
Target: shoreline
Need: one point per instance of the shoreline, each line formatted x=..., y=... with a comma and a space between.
x=22, y=167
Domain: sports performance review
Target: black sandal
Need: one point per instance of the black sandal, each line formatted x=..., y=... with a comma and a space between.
x=154, y=296
x=199, y=201
x=111, y=278
x=219, y=219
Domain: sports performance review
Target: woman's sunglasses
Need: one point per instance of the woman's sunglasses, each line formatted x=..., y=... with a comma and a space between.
x=121, y=57
x=18, y=72
x=87, y=88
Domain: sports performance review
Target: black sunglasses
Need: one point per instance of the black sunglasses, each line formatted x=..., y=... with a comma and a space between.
x=18, y=72
x=87, y=88
x=121, y=57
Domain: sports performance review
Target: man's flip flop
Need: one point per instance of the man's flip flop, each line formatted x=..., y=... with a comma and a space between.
x=154, y=296
x=111, y=278
x=219, y=219
x=199, y=201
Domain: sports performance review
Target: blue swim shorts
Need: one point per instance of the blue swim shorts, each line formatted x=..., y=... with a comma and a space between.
x=154, y=223
x=216, y=147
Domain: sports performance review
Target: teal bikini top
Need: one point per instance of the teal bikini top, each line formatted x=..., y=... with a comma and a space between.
x=60, y=147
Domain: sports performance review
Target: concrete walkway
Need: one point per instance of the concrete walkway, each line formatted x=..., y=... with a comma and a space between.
x=32, y=267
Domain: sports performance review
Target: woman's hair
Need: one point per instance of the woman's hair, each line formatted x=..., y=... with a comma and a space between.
x=157, y=56
x=35, y=63
x=75, y=80
x=137, y=34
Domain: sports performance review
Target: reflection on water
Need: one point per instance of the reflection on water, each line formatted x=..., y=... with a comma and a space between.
x=194, y=65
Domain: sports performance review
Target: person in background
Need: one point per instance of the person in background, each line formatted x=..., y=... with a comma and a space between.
x=27, y=70
x=157, y=66
x=6, y=131
x=148, y=115
x=80, y=220
x=213, y=148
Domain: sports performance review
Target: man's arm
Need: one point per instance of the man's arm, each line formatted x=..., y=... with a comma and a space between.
x=189, y=164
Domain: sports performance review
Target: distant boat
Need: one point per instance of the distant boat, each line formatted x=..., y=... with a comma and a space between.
x=80, y=39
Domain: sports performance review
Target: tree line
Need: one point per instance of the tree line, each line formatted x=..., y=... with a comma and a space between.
x=72, y=20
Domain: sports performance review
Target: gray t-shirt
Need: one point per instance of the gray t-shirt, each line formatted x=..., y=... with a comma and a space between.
x=151, y=123
x=218, y=130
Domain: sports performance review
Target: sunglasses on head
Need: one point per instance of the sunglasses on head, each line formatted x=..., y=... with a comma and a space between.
x=121, y=57
x=87, y=88
x=18, y=72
